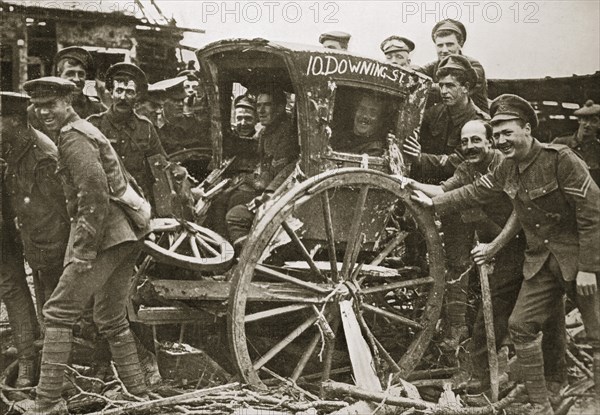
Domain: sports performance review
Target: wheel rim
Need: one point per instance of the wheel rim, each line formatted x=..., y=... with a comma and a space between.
x=188, y=245
x=345, y=274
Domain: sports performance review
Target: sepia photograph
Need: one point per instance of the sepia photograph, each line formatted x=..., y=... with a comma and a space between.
x=299, y=207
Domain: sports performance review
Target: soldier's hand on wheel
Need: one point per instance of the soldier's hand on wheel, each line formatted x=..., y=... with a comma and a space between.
x=411, y=146
x=81, y=265
x=483, y=253
x=586, y=283
x=420, y=197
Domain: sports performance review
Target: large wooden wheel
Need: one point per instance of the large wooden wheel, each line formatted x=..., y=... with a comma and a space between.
x=188, y=245
x=379, y=262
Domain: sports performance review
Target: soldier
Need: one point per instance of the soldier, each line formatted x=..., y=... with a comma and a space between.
x=558, y=205
x=278, y=151
x=151, y=106
x=505, y=280
x=76, y=65
x=585, y=142
x=368, y=129
x=102, y=249
x=132, y=136
x=335, y=40
x=245, y=116
x=449, y=37
x=436, y=159
x=397, y=50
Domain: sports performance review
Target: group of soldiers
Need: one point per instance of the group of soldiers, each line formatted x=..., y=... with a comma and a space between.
x=78, y=182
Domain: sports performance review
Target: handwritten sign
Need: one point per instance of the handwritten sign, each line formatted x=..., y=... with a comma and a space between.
x=319, y=65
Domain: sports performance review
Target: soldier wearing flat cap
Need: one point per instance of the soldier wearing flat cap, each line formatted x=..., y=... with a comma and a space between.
x=151, y=106
x=397, y=50
x=335, y=40
x=132, y=136
x=32, y=198
x=449, y=37
x=586, y=140
x=557, y=204
x=245, y=116
x=435, y=159
x=76, y=65
x=102, y=249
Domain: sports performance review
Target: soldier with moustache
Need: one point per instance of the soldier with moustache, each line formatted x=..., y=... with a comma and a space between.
x=449, y=37
x=558, y=206
x=102, y=249
x=585, y=142
x=76, y=65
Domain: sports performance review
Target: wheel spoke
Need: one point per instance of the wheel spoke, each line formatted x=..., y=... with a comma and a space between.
x=288, y=278
x=305, y=357
x=294, y=334
x=275, y=312
x=401, y=236
x=194, y=247
x=301, y=249
x=179, y=241
x=353, y=243
x=206, y=246
x=330, y=234
x=395, y=285
x=329, y=349
x=392, y=316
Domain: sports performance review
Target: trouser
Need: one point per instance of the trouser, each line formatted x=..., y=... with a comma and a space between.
x=107, y=283
x=215, y=218
x=45, y=281
x=505, y=284
x=19, y=304
x=458, y=242
x=239, y=221
x=537, y=302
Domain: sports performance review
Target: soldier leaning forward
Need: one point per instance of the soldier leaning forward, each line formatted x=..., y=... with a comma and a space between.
x=558, y=205
x=101, y=253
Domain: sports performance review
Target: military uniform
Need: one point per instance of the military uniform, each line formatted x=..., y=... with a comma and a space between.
x=588, y=150
x=134, y=139
x=348, y=142
x=278, y=151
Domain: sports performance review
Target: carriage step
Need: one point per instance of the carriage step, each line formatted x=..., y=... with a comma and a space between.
x=219, y=291
x=170, y=315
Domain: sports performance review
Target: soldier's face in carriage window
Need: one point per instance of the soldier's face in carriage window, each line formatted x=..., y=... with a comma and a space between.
x=124, y=95
x=474, y=143
x=267, y=109
x=447, y=45
x=452, y=91
x=245, y=120
x=54, y=113
x=368, y=117
x=74, y=73
x=589, y=126
x=513, y=138
x=190, y=86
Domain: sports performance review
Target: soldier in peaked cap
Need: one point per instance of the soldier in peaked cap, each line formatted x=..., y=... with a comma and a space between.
x=133, y=137
x=101, y=252
x=245, y=116
x=397, y=50
x=449, y=36
x=435, y=159
x=335, y=40
x=557, y=204
x=76, y=65
x=586, y=140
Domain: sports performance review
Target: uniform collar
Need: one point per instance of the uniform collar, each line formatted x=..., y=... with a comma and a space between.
x=120, y=121
x=534, y=151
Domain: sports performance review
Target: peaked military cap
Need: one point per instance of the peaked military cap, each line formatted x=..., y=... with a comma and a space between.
x=13, y=103
x=451, y=25
x=589, y=108
x=338, y=36
x=189, y=73
x=130, y=70
x=48, y=88
x=460, y=63
x=76, y=53
x=171, y=88
x=397, y=43
x=511, y=107
x=245, y=101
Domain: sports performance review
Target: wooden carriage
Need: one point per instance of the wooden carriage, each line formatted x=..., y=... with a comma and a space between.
x=342, y=274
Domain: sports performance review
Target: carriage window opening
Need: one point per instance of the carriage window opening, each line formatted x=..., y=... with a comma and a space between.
x=362, y=120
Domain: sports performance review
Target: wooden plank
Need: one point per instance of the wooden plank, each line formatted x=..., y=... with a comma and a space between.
x=219, y=291
x=358, y=350
x=169, y=315
x=366, y=270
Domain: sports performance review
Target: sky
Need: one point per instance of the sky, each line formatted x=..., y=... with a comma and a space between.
x=512, y=39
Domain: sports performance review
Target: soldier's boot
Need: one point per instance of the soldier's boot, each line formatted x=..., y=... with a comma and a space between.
x=58, y=342
x=148, y=363
x=125, y=356
x=531, y=360
x=23, y=326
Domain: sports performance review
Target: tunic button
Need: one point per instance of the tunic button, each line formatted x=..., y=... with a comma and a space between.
x=537, y=225
x=545, y=241
x=122, y=157
x=528, y=208
x=543, y=191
